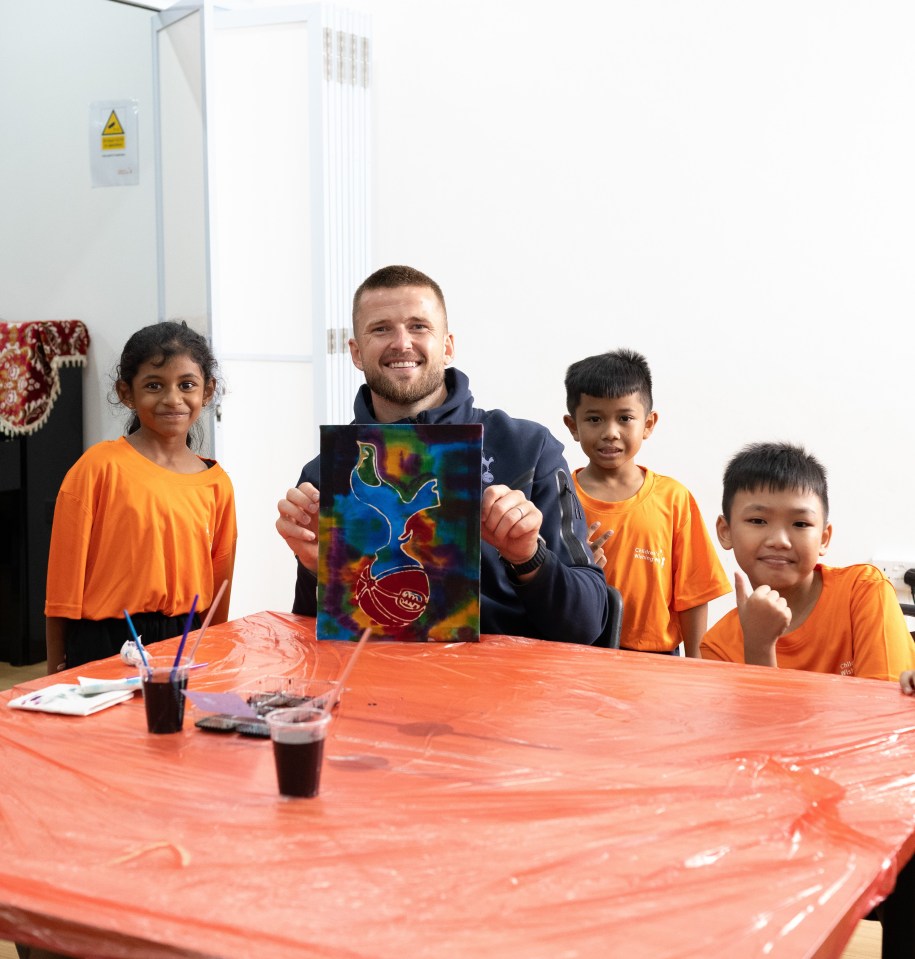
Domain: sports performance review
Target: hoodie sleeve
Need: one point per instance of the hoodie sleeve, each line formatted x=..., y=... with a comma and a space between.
x=567, y=600
x=305, y=602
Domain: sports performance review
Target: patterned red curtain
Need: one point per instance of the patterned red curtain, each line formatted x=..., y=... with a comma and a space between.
x=30, y=356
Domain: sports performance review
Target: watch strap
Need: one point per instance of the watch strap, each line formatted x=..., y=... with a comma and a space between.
x=516, y=570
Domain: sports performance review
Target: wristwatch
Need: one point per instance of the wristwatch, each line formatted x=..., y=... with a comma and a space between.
x=516, y=570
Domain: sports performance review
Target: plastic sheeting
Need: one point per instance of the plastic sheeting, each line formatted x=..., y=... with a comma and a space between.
x=512, y=798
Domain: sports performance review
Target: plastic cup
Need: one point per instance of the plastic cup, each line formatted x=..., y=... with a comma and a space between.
x=163, y=686
x=298, y=736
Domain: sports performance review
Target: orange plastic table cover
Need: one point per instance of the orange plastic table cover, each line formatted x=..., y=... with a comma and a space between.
x=510, y=798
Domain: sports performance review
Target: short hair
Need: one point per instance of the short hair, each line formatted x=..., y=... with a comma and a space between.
x=774, y=467
x=610, y=376
x=393, y=277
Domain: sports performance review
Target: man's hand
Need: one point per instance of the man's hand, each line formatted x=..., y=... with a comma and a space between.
x=764, y=616
x=596, y=545
x=511, y=523
x=907, y=681
x=298, y=523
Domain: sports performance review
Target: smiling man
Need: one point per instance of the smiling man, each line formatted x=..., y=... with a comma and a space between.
x=536, y=578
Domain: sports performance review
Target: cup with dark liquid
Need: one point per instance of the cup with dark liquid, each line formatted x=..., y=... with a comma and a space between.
x=298, y=736
x=163, y=686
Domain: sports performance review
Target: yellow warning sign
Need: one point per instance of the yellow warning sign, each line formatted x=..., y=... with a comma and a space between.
x=113, y=135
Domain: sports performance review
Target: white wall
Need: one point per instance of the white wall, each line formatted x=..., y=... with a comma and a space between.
x=68, y=250
x=727, y=187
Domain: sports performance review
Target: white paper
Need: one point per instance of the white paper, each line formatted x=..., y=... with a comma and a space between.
x=113, y=155
x=67, y=699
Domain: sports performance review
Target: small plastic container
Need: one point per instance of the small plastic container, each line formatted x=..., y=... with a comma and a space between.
x=287, y=692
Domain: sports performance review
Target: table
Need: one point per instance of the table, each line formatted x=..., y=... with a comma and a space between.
x=510, y=798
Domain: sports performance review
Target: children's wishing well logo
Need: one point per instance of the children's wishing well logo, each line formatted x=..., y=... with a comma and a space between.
x=650, y=555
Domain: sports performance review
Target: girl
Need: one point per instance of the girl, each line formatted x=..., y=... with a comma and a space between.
x=142, y=523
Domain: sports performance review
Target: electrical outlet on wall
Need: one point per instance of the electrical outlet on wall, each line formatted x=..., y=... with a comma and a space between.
x=895, y=570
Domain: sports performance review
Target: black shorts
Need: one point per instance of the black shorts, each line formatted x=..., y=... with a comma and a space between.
x=91, y=639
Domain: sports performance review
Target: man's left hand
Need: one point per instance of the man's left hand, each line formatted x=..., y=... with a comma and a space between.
x=510, y=522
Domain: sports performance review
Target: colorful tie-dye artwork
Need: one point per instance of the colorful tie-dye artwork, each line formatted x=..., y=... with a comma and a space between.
x=399, y=532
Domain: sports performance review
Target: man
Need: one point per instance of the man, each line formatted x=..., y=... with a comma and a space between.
x=537, y=578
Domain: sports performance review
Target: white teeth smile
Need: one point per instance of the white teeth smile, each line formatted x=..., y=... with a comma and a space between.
x=403, y=365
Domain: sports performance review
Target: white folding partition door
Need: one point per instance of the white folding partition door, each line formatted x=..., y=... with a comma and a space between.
x=285, y=159
x=180, y=171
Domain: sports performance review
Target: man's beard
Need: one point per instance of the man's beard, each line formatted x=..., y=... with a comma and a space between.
x=406, y=394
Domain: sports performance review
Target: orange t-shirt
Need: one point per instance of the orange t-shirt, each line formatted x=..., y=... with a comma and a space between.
x=129, y=534
x=660, y=557
x=856, y=629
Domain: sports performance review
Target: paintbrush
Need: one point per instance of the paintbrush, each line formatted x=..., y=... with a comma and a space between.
x=206, y=622
x=341, y=682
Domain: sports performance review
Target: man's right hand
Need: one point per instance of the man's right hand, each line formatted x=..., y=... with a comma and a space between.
x=298, y=523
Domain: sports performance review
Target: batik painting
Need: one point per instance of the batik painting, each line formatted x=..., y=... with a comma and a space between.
x=399, y=532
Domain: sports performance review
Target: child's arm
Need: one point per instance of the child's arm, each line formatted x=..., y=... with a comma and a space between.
x=56, y=642
x=764, y=616
x=694, y=625
x=882, y=644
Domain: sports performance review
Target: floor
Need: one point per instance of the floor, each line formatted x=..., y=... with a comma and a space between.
x=10, y=675
x=864, y=944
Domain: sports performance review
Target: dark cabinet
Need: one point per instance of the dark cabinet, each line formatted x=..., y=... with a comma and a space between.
x=31, y=470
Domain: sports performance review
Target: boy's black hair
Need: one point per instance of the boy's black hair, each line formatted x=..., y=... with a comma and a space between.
x=773, y=467
x=609, y=376
x=157, y=344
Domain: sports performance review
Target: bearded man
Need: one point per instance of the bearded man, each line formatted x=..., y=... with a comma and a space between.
x=537, y=577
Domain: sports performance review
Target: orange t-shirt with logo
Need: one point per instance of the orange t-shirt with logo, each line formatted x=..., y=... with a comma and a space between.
x=856, y=629
x=660, y=557
x=130, y=534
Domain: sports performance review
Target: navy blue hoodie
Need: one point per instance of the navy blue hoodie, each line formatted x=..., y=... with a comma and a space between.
x=567, y=600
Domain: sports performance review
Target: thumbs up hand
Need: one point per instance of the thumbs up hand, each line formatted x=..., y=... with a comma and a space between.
x=764, y=616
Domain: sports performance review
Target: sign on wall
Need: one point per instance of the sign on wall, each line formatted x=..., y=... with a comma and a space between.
x=113, y=143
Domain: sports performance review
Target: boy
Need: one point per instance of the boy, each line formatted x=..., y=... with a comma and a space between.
x=797, y=613
x=657, y=549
